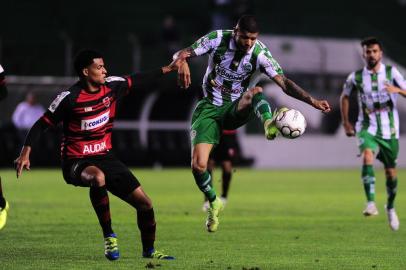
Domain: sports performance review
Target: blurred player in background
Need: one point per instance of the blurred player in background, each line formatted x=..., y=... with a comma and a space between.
x=26, y=114
x=377, y=127
x=4, y=206
x=230, y=100
x=87, y=111
x=225, y=155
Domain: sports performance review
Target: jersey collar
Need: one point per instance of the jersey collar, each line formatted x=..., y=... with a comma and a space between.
x=381, y=69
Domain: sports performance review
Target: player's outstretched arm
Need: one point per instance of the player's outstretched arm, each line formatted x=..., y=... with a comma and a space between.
x=184, y=77
x=293, y=90
x=344, y=108
x=23, y=161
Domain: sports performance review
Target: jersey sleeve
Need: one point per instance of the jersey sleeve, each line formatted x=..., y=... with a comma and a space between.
x=120, y=85
x=348, y=85
x=207, y=43
x=398, y=78
x=58, y=109
x=268, y=64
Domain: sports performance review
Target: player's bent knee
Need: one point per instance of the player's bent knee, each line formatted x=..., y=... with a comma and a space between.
x=199, y=167
x=145, y=204
x=99, y=180
x=93, y=176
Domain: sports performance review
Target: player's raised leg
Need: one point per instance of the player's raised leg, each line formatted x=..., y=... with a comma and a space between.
x=146, y=223
x=100, y=201
x=200, y=157
x=4, y=206
x=254, y=97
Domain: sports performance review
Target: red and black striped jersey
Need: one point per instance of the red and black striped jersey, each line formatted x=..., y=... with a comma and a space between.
x=87, y=117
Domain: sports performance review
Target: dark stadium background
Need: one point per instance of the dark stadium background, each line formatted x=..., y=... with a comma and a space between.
x=39, y=38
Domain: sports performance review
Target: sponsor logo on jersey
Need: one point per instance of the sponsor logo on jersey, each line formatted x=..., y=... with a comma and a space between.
x=380, y=96
x=229, y=74
x=88, y=109
x=95, y=122
x=94, y=148
x=222, y=88
x=247, y=67
x=203, y=42
x=106, y=102
x=57, y=100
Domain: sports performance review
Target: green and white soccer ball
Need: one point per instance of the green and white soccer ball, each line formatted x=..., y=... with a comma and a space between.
x=291, y=123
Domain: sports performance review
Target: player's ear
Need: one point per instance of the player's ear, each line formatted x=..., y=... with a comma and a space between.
x=85, y=72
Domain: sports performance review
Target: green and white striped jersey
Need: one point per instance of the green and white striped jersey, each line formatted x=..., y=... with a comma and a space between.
x=377, y=107
x=230, y=72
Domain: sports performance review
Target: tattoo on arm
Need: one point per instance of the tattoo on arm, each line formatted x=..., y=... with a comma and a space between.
x=292, y=89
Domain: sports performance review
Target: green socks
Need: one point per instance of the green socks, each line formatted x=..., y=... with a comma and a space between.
x=261, y=107
x=368, y=179
x=204, y=183
x=391, y=187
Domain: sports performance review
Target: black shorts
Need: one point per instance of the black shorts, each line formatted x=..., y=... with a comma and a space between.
x=119, y=179
x=227, y=149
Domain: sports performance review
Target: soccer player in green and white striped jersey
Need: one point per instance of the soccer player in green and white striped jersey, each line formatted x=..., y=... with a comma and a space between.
x=231, y=99
x=377, y=127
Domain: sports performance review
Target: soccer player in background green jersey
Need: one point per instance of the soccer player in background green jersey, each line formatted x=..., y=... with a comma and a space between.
x=231, y=99
x=377, y=127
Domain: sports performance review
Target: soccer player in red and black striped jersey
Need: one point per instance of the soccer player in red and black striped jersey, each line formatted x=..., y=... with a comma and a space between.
x=87, y=111
x=3, y=203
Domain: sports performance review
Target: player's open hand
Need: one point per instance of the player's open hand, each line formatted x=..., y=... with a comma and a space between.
x=391, y=88
x=184, y=79
x=322, y=105
x=349, y=129
x=23, y=161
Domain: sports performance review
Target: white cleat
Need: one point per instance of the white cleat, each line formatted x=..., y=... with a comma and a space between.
x=370, y=210
x=392, y=219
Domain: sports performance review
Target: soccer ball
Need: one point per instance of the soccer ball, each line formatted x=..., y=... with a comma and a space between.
x=291, y=123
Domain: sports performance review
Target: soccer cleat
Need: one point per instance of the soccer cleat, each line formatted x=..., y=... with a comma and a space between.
x=111, y=248
x=212, y=221
x=155, y=254
x=392, y=219
x=271, y=131
x=206, y=204
x=3, y=215
x=370, y=210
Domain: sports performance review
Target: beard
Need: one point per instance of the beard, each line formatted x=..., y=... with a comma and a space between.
x=372, y=63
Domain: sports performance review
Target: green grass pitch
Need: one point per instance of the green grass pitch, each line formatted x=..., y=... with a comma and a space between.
x=295, y=219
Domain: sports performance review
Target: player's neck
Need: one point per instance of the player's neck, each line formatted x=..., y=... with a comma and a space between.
x=92, y=87
x=376, y=68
